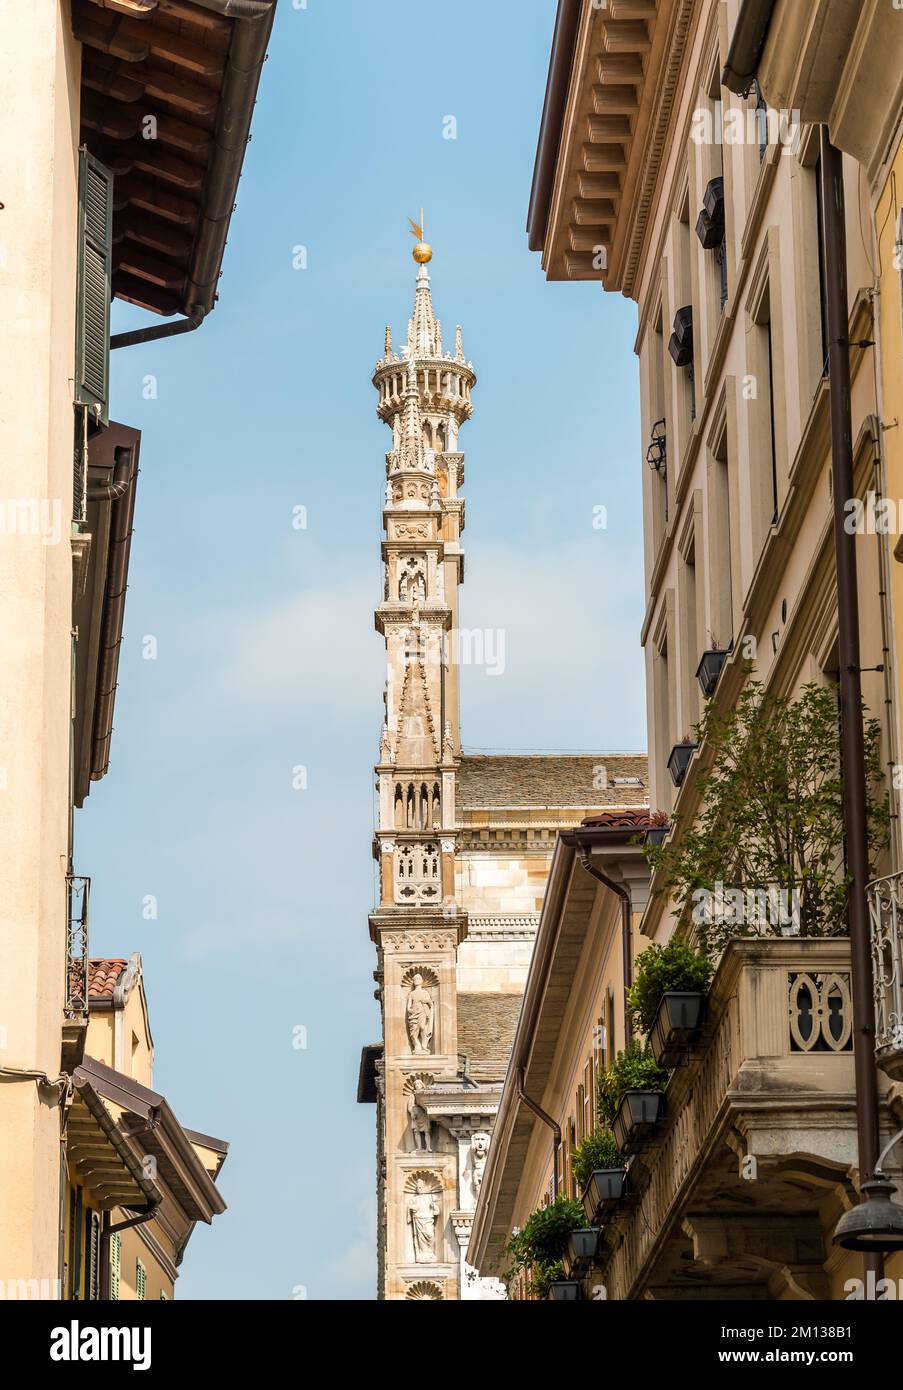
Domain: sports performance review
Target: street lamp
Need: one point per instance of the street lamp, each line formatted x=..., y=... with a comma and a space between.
x=877, y=1222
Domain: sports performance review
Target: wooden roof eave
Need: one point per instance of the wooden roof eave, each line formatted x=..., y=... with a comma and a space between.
x=104, y=1159
x=188, y=177
x=610, y=145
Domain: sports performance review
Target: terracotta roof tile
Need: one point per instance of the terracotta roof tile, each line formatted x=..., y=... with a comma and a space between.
x=103, y=976
x=616, y=820
x=542, y=780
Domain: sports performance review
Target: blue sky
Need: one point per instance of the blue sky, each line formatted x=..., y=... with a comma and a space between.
x=266, y=656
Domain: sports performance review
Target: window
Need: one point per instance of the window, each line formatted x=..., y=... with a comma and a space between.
x=115, y=1264
x=689, y=592
x=140, y=1280
x=761, y=119
x=822, y=302
x=719, y=545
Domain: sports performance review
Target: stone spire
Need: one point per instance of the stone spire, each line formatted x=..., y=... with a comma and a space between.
x=411, y=448
x=424, y=334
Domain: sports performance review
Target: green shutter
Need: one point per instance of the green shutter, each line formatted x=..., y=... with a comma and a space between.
x=115, y=1264
x=140, y=1280
x=95, y=270
x=92, y=1290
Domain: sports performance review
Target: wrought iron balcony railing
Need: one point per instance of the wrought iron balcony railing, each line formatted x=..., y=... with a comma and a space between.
x=885, y=897
x=78, y=894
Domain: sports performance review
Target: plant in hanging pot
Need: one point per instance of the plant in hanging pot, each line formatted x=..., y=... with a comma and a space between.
x=659, y=829
x=679, y=759
x=631, y=1094
x=536, y=1250
x=583, y=1249
x=600, y=1173
x=710, y=666
x=667, y=998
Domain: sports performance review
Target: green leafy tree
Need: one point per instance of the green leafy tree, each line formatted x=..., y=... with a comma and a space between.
x=772, y=812
x=662, y=968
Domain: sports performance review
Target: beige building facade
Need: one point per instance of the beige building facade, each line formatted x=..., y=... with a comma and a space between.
x=703, y=204
x=95, y=206
x=463, y=842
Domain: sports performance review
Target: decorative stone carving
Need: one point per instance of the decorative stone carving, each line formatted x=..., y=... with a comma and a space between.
x=479, y=1152
x=821, y=1012
x=419, y=1010
x=424, y=1289
x=419, y=941
x=423, y=1213
x=421, y=1126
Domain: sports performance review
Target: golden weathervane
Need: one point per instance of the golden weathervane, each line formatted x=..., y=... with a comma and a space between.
x=423, y=252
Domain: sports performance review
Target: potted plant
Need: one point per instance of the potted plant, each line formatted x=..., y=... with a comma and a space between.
x=679, y=759
x=564, y=1291
x=583, y=1249
x=538, y=1247
x=709, y=668
x=632, y=1094
x=667, y=998
x=659, y=829
x=599, y=1171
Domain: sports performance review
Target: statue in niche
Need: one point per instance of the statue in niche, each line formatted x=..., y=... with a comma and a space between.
x=419, y=1016
x=423, y=1212
x=479, y=1152
x=421, y=1125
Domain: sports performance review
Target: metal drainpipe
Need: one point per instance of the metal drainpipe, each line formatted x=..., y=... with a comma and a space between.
x=546, y=1119
x=106, y=1231
x=852, y=740
x=626, y=913
x=160, y=330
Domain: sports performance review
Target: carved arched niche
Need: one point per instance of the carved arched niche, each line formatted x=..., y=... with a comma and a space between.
x=421, y=986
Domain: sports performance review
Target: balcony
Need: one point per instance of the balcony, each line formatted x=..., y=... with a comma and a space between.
x=75, y=1006
x=737, y=1195
x=885, y=897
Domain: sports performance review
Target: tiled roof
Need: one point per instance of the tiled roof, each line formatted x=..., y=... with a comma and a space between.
x=551, y=780
x=103, y=976
x=615, y=820
x=486, y=1028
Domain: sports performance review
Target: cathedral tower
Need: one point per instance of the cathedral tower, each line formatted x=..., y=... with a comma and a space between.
x=464, y=843
x=424, y=398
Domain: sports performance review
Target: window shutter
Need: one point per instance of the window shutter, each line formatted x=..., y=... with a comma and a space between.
x=92, y=1290
x=94, y=292
x=589, y=1099
x=140, y=1280
x=115, y=1264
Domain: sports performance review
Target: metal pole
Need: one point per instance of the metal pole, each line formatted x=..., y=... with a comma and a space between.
x=851, y=733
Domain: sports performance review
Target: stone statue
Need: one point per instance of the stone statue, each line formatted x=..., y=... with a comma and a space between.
x=479, y=1152
x=421, y=1126
x=423, y=1211
x=419, y=1016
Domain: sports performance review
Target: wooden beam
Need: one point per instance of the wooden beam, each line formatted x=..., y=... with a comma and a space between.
x=134, y=39
x=188, y=96
x=143, y=193
x=191, y=14
x=154, y=269
x=144, y=294
x=163, y=237
x=150, y=158
x=103, y=73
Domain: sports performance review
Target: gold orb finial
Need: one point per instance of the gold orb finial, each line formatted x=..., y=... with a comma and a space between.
x=423, y=252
